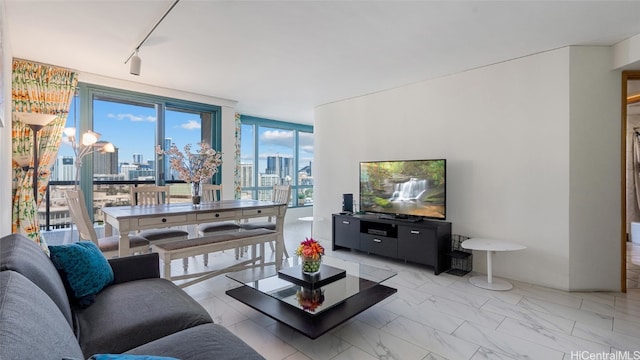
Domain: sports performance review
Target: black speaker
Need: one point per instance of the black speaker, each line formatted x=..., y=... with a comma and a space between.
x=347, y=203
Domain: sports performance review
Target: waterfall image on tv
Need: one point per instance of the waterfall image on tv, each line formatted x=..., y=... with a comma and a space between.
x=405, y=188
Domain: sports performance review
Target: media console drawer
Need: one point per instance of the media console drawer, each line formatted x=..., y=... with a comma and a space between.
x=379, y=245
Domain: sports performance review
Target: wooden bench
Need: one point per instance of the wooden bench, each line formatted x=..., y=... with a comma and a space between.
x=181, y=249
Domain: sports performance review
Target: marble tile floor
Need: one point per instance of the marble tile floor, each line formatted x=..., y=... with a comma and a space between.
x=438, y=317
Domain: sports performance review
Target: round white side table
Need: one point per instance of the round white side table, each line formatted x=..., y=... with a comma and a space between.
x=490, y=246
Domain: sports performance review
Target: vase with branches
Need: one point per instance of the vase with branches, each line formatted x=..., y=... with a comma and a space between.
x=193, y=168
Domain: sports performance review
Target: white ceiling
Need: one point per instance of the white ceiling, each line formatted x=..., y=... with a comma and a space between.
x=281, y=59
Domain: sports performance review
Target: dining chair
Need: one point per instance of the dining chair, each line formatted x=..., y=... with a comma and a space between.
x=281, y=194
x=108, y=245
x=148, y=195
x=211, y=193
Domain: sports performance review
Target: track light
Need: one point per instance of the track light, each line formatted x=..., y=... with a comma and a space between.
x=134, y=68
x=135, y=64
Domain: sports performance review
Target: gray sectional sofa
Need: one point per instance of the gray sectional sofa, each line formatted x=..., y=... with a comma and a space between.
x=139, y=313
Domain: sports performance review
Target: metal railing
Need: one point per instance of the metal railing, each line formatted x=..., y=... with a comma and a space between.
x=54, y=206
x=53, y=213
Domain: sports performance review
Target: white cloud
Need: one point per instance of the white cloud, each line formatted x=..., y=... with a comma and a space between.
x=278, y=137
x=132, y=118
x=191, y=125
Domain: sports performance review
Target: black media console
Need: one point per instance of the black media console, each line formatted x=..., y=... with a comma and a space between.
x=424, y=242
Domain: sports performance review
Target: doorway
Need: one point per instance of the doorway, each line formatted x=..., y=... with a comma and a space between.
x=630, y=106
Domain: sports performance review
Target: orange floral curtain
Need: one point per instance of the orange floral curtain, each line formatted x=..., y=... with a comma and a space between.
x=41, y=89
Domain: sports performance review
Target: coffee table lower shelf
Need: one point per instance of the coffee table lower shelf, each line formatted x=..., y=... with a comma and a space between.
x=308, y=324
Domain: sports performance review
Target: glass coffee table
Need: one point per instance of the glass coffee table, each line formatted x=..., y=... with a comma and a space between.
x=312, y=305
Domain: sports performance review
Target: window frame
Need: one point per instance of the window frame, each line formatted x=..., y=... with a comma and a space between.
x=86, y=94
x=258, y=122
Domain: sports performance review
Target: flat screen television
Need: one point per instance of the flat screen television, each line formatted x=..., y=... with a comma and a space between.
x=404, y=188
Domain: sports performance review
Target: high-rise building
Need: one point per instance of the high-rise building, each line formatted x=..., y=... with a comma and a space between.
x=280, y=166
x=246, y=175
x=137, y=159
x=126, y=168
x=63, y=169
x=67, y=169
x=105, y=163
x=267, y=180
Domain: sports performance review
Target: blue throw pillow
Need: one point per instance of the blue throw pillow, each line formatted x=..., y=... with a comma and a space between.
x=83, y=268
x=129, y=357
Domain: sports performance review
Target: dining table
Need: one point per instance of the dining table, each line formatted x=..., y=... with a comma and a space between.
x=134, y=218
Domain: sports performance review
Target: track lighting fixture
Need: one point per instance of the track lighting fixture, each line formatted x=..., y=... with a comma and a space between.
x=136, y=62
x=134, y=68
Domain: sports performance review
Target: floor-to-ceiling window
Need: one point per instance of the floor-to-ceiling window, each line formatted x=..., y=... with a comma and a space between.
x=275, y=152
x=135, y=123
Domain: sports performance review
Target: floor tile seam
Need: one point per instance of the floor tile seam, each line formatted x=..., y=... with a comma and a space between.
x=474, y=308
x=525, y=320
x=388, y=333
x=637, y=322
x=386, y=330
x=423, y=324
x=338, y=354
x=550, y=330
x=486, y=299
x=635, y=302
x=598, y=342
x=534, y=344
x=540, y=298
x=587, y=313
x=622, y=333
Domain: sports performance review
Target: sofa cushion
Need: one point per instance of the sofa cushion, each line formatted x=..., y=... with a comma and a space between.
x=84, y=269
x=130, y=314
x=32, y=326
x=204, y=342
x=24, y=256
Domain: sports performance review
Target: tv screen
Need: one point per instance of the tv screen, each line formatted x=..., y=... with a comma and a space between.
x=409, y=188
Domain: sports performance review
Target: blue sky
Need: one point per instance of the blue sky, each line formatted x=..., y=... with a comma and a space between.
x=131, y=129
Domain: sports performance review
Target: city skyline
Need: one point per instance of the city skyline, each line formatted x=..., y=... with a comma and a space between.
x=122, y=124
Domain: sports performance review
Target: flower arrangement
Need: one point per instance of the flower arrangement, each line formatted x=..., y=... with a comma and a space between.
x=311, y=249
x=310, y=300
x=193, y=167
x=311, y=252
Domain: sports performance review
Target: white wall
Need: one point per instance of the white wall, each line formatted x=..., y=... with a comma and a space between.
x=626, y=53
x=505, y=132
x=595, y=178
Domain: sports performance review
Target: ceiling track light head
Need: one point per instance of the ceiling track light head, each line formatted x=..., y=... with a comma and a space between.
x=134, y=68
x=135, y=65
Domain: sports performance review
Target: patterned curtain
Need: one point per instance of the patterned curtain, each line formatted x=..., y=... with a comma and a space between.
x=42, y=89
x=237, y=183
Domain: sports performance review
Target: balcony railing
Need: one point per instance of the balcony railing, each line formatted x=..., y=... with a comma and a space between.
x=54, y=211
